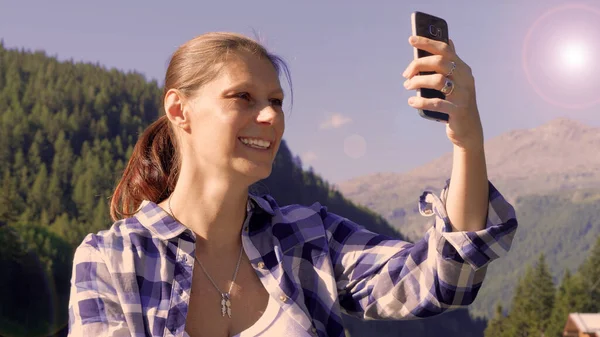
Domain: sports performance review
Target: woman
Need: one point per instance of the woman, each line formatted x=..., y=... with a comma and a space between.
x=192, y=253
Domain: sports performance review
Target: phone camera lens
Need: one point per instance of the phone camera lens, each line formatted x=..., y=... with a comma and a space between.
x=435, y=31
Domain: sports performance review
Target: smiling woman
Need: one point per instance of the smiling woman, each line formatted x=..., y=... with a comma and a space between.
x=193, y=253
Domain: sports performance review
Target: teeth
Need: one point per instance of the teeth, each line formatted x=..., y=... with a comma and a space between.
x=258, y=143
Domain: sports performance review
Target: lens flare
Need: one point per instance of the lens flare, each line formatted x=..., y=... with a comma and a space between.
x=355, y=146
x=558, y=56
x=574, y=55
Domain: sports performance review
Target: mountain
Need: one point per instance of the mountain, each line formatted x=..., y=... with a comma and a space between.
x=559, y=155
x=66, y=131
x=551, y=174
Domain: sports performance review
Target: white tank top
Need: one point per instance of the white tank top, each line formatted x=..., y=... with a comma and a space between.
x=273, y=322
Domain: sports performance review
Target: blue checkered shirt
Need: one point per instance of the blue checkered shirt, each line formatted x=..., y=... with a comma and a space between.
x=135, y=278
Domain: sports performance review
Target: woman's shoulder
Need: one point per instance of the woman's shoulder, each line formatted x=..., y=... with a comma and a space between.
x=269, y=204
x=298, y=214
x=114, y=239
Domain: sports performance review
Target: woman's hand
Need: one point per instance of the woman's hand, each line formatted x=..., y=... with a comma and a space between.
x=464, y=126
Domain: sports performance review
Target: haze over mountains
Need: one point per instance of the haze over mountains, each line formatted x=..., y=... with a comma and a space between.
x=560, y=155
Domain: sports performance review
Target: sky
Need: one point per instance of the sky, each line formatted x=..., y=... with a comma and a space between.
x=532, y=62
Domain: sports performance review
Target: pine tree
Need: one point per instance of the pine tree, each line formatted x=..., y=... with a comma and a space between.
x=11, y=202
x=34, y=155
x=533, y=302
x=63, y=159
x=571, y=297
x=38, y=196
x=54, y=204
x=590, y=274
x=497, y=325
x=70, y=231
x=520, y=318
x=100, y=219
x=542, y=293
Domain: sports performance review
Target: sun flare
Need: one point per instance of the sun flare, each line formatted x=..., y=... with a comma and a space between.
x=574, y=55
x=560, y=56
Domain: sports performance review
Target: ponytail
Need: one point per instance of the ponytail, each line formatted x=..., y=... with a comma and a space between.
x=151, y=172
x=154, y=166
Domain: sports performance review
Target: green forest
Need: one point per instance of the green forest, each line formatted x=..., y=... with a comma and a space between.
x=66, y=131
x=539, y=307
x=563, y=225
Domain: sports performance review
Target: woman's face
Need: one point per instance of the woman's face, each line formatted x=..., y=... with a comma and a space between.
x=236, y=121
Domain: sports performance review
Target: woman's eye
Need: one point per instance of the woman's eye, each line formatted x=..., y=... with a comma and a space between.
x=244, y=95
x=277, y=102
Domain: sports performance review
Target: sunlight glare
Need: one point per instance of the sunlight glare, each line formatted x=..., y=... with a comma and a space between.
x=558, y=56
x=574, y=55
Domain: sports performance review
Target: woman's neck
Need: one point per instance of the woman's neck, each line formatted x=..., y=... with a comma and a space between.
x=214, y=208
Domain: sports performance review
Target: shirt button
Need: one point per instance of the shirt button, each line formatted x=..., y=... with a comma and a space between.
x=283, y=298
x=246, y=229
x=261, y=265
x=313, y=330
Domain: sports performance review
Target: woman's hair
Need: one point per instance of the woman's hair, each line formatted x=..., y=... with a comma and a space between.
x=153, y=169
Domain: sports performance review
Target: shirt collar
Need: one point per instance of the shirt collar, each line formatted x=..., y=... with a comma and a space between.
x=262, y=203
x=165, y=227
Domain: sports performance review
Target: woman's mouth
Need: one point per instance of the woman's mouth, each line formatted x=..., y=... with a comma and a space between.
x=256, y=143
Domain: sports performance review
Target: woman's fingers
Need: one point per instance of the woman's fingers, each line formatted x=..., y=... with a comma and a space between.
x=432, y=46
x=433, y=104
x=434, y=81
x=451, y=43
x=464, y=126
x=434, y=63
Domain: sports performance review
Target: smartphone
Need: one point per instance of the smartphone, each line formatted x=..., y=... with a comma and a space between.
x=433, y=28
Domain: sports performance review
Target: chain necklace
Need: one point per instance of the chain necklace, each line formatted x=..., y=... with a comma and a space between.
x=225, y=297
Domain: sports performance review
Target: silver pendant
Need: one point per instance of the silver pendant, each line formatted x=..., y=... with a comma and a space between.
x=225, y=305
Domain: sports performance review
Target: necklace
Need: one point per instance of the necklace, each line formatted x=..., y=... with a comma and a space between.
x=225, y=297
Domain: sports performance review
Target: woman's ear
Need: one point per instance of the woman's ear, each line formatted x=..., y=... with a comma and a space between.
x=175, y=109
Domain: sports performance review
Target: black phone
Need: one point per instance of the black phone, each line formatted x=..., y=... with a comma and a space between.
x=434, y=28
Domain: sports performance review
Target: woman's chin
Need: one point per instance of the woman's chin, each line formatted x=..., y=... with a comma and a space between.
x=254, y=171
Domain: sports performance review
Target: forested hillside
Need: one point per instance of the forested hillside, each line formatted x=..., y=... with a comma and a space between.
x=540, y=306
x=66, y=130
x=563, y=226
x=551, y=174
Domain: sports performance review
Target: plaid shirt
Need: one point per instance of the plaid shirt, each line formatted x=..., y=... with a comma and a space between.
x=135, y=278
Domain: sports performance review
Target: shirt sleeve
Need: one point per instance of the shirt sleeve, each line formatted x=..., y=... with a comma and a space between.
x=383, y=278
x=94, y=308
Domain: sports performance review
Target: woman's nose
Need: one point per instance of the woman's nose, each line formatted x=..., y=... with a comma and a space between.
x=267, y=115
